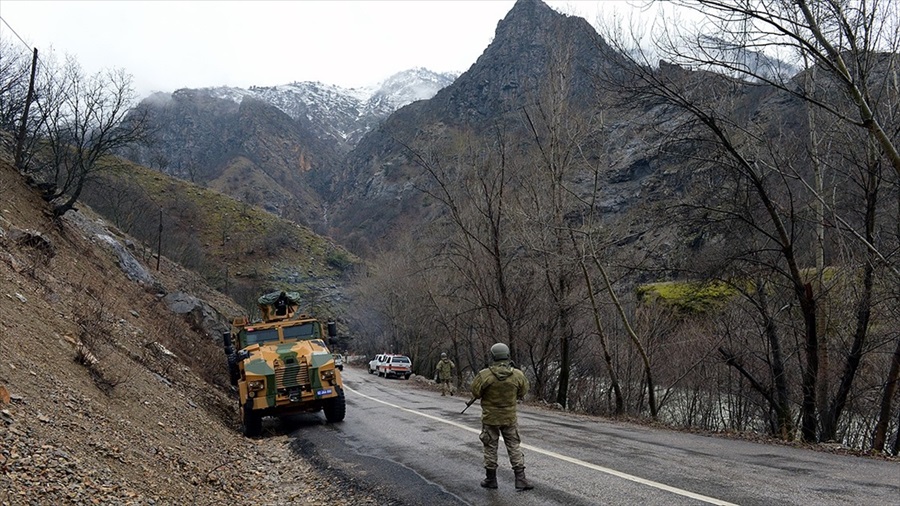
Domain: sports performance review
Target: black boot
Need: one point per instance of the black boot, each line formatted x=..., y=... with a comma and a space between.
x=490, y=480
x=521, y=482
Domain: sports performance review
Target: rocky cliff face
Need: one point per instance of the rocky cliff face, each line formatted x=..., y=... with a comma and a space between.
x=380, y=180
x=248, y=149
x=537, y=52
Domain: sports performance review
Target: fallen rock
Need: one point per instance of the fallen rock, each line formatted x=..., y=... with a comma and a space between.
x=197, y=312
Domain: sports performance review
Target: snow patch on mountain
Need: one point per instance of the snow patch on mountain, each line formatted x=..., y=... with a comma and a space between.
x=344, y=114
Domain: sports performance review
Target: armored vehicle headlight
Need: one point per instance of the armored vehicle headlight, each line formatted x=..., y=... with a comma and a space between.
x=256, y=385
x=328, y=375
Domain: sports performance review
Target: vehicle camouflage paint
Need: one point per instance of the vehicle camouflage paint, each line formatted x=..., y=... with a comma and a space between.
x=282, y=364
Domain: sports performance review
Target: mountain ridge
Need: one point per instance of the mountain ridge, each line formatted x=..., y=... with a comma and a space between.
x=277, y=147
x=345, y=113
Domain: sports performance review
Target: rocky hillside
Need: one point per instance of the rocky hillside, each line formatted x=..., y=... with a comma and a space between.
x=112, y=385
x=339, y=160
x=380, y=181
x=252, y=149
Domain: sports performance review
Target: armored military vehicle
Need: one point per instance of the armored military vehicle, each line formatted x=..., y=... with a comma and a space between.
x=282, y=365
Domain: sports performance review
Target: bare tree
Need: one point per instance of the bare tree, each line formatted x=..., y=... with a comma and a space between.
x=557, y=134
x=120, y=197
x=472, y=180
x=15, y=69
x=845, y=40
x=82, y=122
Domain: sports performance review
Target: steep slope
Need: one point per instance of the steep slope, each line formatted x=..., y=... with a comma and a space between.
x=112, y=379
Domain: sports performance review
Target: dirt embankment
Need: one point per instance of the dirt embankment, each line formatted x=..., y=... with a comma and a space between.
x=107, y=396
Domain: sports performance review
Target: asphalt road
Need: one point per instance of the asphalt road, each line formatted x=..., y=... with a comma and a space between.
x=415, y=448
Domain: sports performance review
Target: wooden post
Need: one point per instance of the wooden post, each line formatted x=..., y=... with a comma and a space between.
x=159, y=241
x=20, y=140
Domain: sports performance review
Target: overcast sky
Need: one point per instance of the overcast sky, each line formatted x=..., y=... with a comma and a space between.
x=168, y=45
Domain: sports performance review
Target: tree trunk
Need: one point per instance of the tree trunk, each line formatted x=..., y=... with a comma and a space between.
x=831, y=418
x=69, y=203
x=811, y=371
x=562, y=392
x=737, y=364
x=780, y=403
x=645, y=359
x=23, y=126
x=598, y=325
x=884, y=415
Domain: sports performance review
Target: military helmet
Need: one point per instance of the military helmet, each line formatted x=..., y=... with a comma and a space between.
x=500, y=351
x=443, y=355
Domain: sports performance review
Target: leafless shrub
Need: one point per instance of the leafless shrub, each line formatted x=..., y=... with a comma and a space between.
x=276, y=240
x=108, y=375
x=209, y=362
x=95, y=346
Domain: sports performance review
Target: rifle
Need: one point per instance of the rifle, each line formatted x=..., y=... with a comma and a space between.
x=472, y=401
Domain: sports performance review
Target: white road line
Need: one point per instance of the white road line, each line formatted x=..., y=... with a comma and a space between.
x=572, y=460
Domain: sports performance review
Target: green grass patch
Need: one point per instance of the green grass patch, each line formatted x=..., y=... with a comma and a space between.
x=688, y=296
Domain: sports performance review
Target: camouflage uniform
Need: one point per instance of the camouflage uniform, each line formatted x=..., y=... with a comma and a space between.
x=445, y=374
x=499, y=387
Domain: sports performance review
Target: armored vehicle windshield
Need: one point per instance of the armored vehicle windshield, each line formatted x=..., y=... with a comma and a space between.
x=254, y=336
x=304, y=331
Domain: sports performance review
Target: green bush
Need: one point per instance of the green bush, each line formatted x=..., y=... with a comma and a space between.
x=338, y=260
x=688, y=296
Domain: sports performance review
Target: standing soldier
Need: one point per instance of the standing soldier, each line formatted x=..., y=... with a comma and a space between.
x=499, y=387
x=445, y=374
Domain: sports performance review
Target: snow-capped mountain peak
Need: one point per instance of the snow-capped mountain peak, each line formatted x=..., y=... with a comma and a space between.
x=409, y=86
x=345, y=114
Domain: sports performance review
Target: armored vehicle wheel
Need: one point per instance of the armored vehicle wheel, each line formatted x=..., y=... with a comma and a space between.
x=335, y=408
x=251, y=422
